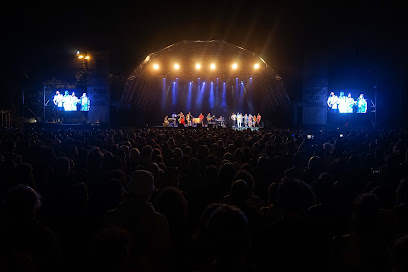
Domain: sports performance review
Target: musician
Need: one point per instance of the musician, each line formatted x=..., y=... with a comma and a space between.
x=221, y=121
x=182, y=119
x=74, y=101
x=342, y=103
x=85, y=102
x=66, y=101
x=350, y=103
x=174, y=116
x=166, y=121
x=250, y=120
x=209, y=118
x=258, y=120
x=239, y=119
x=254, y=120
x=58, y=100
x=246, y=120
x=361, y=104
x=201, y=117
x=189, y=119
x=233, y=118
x=332, y=102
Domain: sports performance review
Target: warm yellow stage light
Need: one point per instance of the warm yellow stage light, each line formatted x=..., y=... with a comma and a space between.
x=256, y=65
x=212, y=66
x=87, y=57
x=198, y=66
x=80, y=56
x=234, y=66
x=176, y=66
x=155, y=66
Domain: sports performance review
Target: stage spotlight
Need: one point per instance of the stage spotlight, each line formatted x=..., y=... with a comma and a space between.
x=256, y=66
x=176, y=66
x=198, y=66
x=234, y=66
x=155, y=66
x=212, y=66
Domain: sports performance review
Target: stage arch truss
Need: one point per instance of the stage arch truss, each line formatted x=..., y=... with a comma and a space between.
x=201, y=76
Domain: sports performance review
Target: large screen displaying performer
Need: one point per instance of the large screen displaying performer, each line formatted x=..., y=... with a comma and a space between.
x=70, y=102
x=346, y=103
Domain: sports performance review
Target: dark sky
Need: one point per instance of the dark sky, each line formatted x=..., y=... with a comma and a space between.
x=38, y=40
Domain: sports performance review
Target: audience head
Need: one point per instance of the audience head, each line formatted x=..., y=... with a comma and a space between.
x=228, y=234
x=295, y=196
x=141, y=186
x=21, y=203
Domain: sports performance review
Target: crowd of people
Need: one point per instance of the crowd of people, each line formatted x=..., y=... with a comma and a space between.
x=203, y=200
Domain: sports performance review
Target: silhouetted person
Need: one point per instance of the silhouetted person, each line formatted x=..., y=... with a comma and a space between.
x=149, y=229
x=110, y=250
x=228, y=239
x=364, y=249
x=26, y=244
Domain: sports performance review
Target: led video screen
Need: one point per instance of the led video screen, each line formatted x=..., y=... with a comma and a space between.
x=346, y=103
x=70, y=102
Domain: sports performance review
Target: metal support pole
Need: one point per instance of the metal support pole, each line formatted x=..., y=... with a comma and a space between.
x=44, y=104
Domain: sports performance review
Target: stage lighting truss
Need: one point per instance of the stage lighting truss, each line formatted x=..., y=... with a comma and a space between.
x=208, y=60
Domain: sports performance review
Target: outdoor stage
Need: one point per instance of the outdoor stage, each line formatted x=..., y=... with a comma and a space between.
x=202, y=77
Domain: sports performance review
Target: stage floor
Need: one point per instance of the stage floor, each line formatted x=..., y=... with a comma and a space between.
x=207, y=127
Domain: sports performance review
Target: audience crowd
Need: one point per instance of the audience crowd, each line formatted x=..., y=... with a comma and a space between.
x=203, y=200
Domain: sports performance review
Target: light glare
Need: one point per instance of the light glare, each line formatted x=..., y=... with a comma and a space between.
x=234, y=66
x=212, y=66
x=155, y=66
x=256, y=65
x=198, y=66
x=176, y=66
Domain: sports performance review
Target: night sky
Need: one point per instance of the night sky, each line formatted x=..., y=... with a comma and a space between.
x=39, y=40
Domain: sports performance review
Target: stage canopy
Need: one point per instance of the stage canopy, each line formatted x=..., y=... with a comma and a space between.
x=204, y=76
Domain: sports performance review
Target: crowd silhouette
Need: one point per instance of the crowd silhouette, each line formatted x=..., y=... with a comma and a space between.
x=203, y=200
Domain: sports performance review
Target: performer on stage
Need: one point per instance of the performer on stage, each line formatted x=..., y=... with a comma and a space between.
x=233, y=118
x=189, y=119
x=361, y=104
x=342, y=104
x=250, y=120
x=246, y=120
x=350, y=103
x=74, y=101
x=239, y=119
x=166, y=121
x=201, y=117
x=209, y=118
x=174, y=116
x=258, y=120
x=182, y=119
x=58, y=98
x=332, y=102
x=221, y=121
x=85, y=102
x=66, y=102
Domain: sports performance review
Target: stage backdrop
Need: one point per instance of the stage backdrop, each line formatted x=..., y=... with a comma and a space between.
x=315, y=88
x=98, y=87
